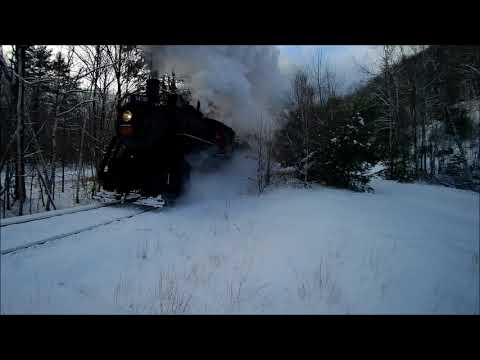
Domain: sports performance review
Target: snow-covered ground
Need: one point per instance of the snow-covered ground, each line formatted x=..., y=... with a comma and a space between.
x=404, y=249
x=16, y=235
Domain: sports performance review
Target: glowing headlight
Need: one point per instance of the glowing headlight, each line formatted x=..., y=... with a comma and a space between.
x=127, y=116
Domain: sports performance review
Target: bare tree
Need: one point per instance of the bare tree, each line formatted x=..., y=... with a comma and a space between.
x=127, y=65
x=264, y=152
x=20, y=163
x=318, y=73
x=385, y=89
x=303, y=95
x=80, y=161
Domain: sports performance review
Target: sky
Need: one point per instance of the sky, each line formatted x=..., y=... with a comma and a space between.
x=345, y=60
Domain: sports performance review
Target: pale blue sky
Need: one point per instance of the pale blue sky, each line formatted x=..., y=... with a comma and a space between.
x=344, y=59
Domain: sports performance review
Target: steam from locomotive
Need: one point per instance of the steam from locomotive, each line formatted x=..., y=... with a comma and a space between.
x=235, y=84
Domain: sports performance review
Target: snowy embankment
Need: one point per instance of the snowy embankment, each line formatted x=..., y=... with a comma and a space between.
x=406, y=248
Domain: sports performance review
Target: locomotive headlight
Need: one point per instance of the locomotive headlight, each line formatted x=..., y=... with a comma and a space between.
x=127, y=116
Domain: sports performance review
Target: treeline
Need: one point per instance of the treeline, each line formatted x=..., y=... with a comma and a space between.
x=417, y=114
x=57, y=111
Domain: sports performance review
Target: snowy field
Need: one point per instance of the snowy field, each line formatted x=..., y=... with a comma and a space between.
x=404, y=249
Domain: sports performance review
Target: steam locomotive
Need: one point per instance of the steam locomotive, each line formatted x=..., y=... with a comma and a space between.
x=154, y=134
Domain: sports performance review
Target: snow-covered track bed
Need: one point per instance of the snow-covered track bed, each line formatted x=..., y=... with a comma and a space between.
x=45, y=215
x=23, y=235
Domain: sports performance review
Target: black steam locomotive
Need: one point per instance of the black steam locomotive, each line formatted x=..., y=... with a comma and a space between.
x=155, y=132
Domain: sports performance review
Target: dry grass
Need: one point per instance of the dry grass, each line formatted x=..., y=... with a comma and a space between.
x=318, y=287
x=168, y=296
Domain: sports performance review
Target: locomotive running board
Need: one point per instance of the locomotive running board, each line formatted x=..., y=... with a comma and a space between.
x=109, y=196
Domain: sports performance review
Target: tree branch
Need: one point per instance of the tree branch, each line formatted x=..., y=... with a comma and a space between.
x=73, y=108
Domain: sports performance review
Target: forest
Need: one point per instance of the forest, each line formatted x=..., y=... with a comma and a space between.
x=417, y=114
x=57, y=116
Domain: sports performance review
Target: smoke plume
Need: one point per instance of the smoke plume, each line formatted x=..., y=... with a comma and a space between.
x=235, y=84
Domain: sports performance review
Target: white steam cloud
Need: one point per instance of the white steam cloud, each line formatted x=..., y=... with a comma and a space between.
x=237, y=83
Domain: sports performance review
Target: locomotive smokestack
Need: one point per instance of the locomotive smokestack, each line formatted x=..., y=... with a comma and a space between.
x=153, y=88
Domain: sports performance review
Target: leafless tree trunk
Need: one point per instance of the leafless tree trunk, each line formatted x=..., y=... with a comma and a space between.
x=424, y=137
x=115, y=53
x=31, y=190
x=413, y=105
x=466, y=167
x=8, y=180
x=264, y=148
x=44, y=180
x=303, y=94
x=387, y=60
x=432, y=160
x=319, y=70
x=80, y=161
x=20, y=168
x=63, y=165
x=41, y=192
x=54, y=149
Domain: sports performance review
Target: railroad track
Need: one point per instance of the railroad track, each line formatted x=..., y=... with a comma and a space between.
x=143, y=209
x=46, y=215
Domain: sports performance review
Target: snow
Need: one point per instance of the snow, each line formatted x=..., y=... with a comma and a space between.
x=48, y=214
x=404, y=249
x=285, y=170
x=63, y=200
x=16, y=235
x=376, y=169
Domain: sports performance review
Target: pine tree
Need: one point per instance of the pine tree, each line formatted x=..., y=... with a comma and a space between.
x=345, y=150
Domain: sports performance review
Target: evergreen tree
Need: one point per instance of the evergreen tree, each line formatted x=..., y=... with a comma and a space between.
x=344, y=150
